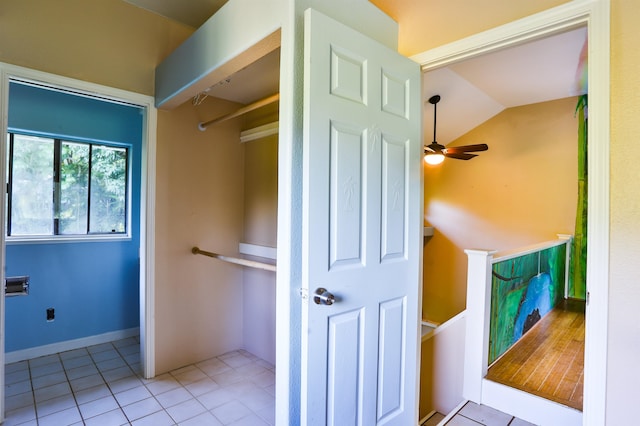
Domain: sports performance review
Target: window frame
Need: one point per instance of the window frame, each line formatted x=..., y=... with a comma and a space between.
x=55, y=194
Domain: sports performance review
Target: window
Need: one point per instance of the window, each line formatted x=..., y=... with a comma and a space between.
x=59, y=187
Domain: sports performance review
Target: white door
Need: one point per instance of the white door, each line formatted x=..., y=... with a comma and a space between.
x=362, y=229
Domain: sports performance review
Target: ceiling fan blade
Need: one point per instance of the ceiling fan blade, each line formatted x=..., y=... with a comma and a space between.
x=466, y=148
x=434, y=147
x=459, y=155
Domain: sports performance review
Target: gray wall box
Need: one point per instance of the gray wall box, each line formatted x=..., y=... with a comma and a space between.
x=17, y=286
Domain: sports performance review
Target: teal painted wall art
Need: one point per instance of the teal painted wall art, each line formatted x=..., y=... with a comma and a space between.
x=523, y=290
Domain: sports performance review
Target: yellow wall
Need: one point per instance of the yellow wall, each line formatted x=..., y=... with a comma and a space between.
x=623, y=371
x=522, y=191
x=102, y=41
x=426, y=24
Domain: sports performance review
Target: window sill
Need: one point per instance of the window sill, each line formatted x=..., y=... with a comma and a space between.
x=39, y=239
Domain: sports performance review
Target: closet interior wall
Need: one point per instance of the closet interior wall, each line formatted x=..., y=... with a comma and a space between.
x=260, y=228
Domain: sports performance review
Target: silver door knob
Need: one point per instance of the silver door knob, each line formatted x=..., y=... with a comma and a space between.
x=323, y=297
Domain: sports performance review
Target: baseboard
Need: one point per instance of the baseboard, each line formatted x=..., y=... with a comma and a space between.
x=427, y=417
x=529, y=407
x=452, y=413
x=69, y=345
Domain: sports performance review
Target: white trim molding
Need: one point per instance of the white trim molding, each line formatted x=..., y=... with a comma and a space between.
x=595, y=14
x=69, y=345
x=552, y=21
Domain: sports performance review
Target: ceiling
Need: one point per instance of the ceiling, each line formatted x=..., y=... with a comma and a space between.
x=189, y=12
x=472, y=91
x=476, y=89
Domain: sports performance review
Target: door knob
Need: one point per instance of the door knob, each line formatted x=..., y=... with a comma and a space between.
x=322, y=296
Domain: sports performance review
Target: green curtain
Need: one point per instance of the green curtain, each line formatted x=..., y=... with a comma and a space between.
x=578, y=267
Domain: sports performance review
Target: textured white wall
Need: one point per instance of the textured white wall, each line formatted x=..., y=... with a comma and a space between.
x=623, y=372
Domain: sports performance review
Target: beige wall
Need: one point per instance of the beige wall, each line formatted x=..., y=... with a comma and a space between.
x=623, y=373
x=102, y=41
x=522, y=191
x=199, y=201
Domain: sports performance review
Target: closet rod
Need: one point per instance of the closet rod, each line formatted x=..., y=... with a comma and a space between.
x=243, y=262
x=262, y=102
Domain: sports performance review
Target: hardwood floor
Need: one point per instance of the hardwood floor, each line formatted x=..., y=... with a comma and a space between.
x=548, y=361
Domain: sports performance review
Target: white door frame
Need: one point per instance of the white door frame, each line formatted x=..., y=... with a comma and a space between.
x=595, y=14
x=147, y=199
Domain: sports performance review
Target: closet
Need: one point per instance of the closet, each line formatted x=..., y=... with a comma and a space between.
x=255, y=88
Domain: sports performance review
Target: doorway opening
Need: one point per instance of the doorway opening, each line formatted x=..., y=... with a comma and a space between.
x=80, y=239
x=455, y=54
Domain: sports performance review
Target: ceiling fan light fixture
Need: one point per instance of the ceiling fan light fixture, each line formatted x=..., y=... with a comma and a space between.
x=434, y=153
x=433, y=158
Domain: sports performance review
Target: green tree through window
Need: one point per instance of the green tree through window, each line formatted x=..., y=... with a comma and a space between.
x=65, y=188
x=74, y=188
x=32, y=186
x=108, y=189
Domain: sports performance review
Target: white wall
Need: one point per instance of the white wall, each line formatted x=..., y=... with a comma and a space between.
x=442, y=367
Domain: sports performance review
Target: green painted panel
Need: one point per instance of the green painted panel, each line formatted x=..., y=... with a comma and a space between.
x=523, y=290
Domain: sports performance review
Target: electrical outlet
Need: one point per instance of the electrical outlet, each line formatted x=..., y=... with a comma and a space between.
x=51, y=314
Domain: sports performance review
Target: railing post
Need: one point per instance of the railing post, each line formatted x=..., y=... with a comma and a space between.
x=476, y=352
x=568, y=238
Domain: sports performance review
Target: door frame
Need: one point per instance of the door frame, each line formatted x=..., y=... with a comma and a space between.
x=595, y=14
x=147, y=199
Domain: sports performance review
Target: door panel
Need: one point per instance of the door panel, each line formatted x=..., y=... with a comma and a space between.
x=348, y=75
x=346, y=194
x=395, y=95
x=345, y=367
x=391, y=369
x=394, y=193
x=362, y=222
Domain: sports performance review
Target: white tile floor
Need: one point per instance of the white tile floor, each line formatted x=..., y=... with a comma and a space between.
x=101, y=385
x=473, y=414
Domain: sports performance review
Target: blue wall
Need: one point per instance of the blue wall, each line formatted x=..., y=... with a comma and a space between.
x=93, y=286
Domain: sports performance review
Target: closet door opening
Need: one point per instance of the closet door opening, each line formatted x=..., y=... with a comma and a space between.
x=255, y=89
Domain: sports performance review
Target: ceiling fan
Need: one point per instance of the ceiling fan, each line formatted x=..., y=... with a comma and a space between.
x=435, y=153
